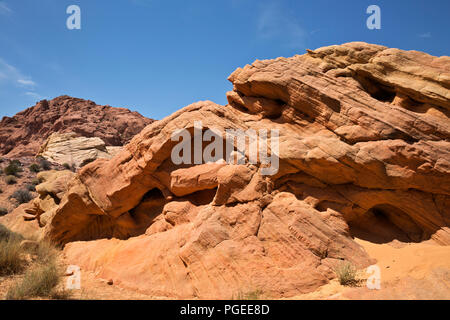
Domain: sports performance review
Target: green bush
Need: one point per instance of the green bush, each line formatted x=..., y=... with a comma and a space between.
x=10, y=180
x=40, y=282
x=30, y=187
x=35, y=182
x=3, y=211
x=22, y=196
x=35, y=168
x=12, y=169
x=45, y=164
x=66, y=166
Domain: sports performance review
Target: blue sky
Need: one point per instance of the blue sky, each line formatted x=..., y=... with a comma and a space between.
x=156, y=56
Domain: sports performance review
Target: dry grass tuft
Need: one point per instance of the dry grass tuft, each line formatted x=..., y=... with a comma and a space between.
x=40, y=282
x=11, y=257
x=346, y=274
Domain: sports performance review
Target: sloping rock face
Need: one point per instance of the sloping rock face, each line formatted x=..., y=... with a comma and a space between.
x=68, y=148
x=363, y=151
x=23, y=134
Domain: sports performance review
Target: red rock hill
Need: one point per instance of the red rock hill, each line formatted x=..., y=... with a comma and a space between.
x=23, y=134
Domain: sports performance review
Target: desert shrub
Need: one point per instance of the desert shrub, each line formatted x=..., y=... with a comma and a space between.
x=346, y=274
x=39, y=282
x=30, y=187
x=35, y=182
x=3, y=211
x=35, y=168
x=6, y=234
x=45, y=164
x=46, y=252
x=16, y=162
x=10, y=180
x=11, y=258
x=12, y=169
x=86, y=162
x=22, y=196
x=66, y=166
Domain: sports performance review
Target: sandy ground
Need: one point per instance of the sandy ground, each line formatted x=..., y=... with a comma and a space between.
x=408, y=271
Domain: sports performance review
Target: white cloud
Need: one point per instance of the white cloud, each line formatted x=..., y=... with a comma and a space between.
x=276, y=22
x=4, y=9
x=10, y=74
x=34, y=95
x=425, y=35
x=26, y=82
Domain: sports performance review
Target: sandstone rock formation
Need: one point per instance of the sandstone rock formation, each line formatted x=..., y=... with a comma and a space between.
x=68, y=148
x=23, y=134
x=364, y=151
x=39, y=211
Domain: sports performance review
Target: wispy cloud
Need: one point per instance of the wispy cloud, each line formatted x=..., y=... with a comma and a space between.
x=11, y=76
x=34, y=95
x=425, y=35
x=26, y=82
x=275, y=22
x=4, y=9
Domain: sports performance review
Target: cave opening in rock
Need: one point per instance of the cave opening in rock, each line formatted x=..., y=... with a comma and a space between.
x=385, y=223
x=376, y=89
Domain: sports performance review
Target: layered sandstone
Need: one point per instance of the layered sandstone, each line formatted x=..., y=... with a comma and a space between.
x=69, y=148
x=24, y=133
x=364, y=150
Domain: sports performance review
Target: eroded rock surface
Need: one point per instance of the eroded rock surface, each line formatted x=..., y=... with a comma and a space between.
x=364, y=151
x=69, y=148
x=24, y=133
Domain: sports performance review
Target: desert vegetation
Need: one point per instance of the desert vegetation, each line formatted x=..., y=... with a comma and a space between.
x=22, y=196
x=13, y=168
x=346, y=274
x=32, y=265
x=10, y=180
x=3, y=211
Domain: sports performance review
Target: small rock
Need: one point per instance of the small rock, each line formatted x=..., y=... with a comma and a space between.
x=110, y=282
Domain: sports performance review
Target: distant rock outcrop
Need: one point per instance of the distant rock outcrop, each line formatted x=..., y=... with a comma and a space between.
x=69, y=148
x=364, y=150
x=24, y=133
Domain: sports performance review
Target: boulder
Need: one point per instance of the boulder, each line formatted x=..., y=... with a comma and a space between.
x=70, y=149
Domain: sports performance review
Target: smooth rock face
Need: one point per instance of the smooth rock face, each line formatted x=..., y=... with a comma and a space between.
x=68, y=148
x=23, y=134
x=364, y=151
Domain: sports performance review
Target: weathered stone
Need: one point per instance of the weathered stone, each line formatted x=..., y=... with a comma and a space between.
x=364, y=150
x=70, y=149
